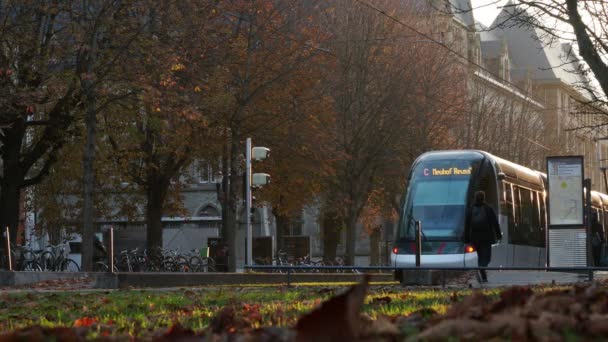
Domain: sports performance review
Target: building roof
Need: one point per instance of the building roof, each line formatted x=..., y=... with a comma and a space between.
x=555, y=62
x=491, y=48
x=462, y=10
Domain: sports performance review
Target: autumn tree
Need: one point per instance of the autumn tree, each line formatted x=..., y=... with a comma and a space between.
x=302, y=154
x=39, y=95
x=156, y=135
x=582, y=22
x=508, y=124
x=106, y=28
x=271, y=46
x=392, y=99
x=56, y=203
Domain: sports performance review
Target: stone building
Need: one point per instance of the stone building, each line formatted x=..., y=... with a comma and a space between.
x=524, y=102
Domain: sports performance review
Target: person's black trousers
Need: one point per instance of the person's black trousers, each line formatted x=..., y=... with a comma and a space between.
x=484, y=255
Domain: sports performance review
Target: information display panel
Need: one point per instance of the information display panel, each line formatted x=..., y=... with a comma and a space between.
x=565, y=178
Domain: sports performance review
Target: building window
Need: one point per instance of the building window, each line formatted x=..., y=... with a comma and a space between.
x=208, y=225
x=203, y=171
x=208, y=211
x=213, y=217
x=295, y=227
x=172, y=224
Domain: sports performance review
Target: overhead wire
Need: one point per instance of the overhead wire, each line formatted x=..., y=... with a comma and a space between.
x=418, y=33
x=448, y=48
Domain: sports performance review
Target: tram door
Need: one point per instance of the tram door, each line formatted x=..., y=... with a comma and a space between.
x=487, y=183
x=507, y=222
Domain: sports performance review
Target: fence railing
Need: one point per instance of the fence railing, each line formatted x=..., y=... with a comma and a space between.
x=289, y=270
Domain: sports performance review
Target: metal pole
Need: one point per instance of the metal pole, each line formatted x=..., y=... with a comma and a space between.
x=605, y=179
x=7, y=234
x=587, y=223
x=248, y=199
x=418, y=242
x=111, y=254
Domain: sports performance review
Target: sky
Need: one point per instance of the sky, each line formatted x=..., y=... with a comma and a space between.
x=485, y=11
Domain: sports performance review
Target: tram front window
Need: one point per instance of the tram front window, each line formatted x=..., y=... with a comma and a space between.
x=440, y=205
x=437, y=196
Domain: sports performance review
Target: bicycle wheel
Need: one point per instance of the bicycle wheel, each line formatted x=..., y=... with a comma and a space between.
x=47, y=261
x=100, y=266
x=31, y=266
x=196, y=264
x=28, y=255
x=69, y=265
x=183, y=267
x=168, y=266
x=210, y=265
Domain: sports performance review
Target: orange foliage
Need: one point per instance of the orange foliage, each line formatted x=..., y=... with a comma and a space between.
x=85, y=322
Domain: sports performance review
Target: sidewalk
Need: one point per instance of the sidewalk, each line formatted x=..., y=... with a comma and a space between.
x=510, y=278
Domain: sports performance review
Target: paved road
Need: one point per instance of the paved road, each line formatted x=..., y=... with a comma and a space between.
x=508, y=278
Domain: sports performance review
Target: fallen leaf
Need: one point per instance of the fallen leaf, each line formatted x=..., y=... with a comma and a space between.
x=337, y=319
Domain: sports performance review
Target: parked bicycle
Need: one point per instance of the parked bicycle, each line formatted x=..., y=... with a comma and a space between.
x=56, y=258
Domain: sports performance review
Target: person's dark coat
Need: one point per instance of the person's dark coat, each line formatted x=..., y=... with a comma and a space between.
x=488, y=234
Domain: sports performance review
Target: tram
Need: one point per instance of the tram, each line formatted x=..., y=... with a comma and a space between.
x=440, y=188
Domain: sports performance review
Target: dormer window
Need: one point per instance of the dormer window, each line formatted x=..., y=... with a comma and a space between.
x=209, y=211
x=506, y=75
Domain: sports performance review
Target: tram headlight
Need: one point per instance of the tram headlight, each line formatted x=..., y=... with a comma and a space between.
x=469, y=249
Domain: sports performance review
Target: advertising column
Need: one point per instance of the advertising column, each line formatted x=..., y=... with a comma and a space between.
x=567, y=238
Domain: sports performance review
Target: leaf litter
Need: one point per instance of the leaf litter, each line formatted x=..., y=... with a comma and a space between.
x=579, y=312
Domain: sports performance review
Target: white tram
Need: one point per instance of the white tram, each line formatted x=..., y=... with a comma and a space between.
x=440, y=188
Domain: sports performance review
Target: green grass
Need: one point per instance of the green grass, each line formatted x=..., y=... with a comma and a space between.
x=140, y=312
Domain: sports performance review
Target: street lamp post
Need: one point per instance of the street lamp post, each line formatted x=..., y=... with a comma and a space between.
x=248, y=201
x=258, y=179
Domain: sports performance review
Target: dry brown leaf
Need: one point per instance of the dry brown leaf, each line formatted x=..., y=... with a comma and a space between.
x=514, y=296
x=597, y=325
x=548, y=302
x=337, y=318
x=464, y=329
x=473, y=306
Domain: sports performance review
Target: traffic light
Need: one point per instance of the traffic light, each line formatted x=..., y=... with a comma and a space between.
x=260, y=153
x=260, y=179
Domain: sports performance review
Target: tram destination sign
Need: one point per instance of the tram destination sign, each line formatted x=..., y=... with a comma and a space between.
x=565, y=177
x=446, y=171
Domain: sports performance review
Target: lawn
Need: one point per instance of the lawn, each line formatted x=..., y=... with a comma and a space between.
x=143, y=313
x=278, y=313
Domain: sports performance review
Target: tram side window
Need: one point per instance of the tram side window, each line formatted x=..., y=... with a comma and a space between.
x=538, y=238
x=543, y=218
x=524, y=210
x=509, y=210
x=606, y=224
x=515, y=233
x=598, y=214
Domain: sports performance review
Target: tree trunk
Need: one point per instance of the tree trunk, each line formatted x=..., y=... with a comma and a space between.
x=232, y=200
x=282, y=230
x=374, y=246
x=351, y=238
x=12, y=178
x=331, y=237
x=9, y=206
x=155, y=197
x=88, y=164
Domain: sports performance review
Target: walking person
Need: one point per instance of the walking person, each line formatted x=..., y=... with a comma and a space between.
x=482, y=230
x=597, y=239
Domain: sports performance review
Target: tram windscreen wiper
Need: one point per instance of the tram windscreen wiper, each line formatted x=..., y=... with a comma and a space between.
x=413, y=221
